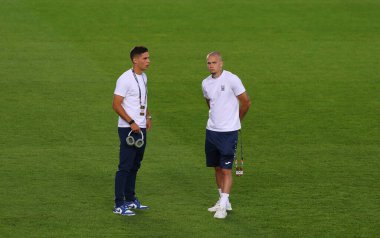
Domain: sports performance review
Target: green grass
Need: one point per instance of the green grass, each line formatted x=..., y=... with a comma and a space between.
x=311, y=138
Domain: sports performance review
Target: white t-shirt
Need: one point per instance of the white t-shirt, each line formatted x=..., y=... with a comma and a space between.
x=126, y=86
x=224, y=105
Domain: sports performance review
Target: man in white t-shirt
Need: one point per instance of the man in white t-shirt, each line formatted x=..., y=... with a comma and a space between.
x=130, y=102
x=228, y=102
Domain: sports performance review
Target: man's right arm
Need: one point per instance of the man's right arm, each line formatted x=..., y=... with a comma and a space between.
x=245, y=103
x=118, y=108
x=208, y=102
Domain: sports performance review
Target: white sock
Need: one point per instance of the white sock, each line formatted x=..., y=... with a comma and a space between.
x=220, y=192
x=224, y=200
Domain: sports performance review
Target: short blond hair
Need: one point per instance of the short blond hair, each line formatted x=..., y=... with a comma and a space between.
x=215, y=53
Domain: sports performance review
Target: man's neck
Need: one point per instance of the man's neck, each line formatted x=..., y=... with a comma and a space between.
x=137, y=70
x=217, y=74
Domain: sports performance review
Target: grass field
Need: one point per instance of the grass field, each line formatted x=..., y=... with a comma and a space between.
x=311, y=138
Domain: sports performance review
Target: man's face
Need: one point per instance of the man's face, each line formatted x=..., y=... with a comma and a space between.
x=142, y=61
x=214, y=64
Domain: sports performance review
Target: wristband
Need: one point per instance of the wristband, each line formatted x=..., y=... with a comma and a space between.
x=131, y=122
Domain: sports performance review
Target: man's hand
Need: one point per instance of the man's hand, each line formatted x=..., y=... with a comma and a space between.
x=135, y=128
x=116, y=105
x=148, y=123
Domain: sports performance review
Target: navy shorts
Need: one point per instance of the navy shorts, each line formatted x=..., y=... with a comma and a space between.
x=220, y=148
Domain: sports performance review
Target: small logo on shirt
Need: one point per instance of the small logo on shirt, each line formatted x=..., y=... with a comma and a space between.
x=222, y=87
x=227, y=162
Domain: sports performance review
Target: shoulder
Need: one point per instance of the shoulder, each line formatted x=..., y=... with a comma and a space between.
x=126, y=74
x=206, y=80
x=230, y=76
x=124, y=81
x=232, y=79
x=124, y=78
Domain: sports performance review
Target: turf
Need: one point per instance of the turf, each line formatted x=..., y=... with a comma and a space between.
x=311, y=139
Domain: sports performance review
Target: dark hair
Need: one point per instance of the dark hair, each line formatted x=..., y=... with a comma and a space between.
x=137, y=50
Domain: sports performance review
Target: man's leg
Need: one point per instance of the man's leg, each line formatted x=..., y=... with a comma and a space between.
x=219, y=179
x=221, y=211
x=129, y=189
x=122, y=175
x=135, y=166
x=227, y=180
x=228, y=151
x=219, y=184
x=228, y=148
x=227, y=184
x=224, y=180
x=212, y=158
x=130, y=198
x=120, y=180
x=126, y=154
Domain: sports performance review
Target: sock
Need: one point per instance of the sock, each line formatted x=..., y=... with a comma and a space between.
x=220, y=192
x=224, y=200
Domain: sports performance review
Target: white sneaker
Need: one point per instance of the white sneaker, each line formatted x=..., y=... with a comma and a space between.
x=217, y=206
x=221, y=213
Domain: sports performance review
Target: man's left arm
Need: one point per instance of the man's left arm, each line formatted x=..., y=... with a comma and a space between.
x=148, y=120
x=245, y=103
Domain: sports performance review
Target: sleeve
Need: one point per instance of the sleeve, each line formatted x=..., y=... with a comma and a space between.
x=204, y=92
x=236, y=85
x=121, y=87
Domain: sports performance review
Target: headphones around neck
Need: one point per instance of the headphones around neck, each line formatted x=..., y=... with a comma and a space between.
x=131, y=141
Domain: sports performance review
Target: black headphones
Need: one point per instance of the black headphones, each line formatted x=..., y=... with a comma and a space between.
x=131, y=141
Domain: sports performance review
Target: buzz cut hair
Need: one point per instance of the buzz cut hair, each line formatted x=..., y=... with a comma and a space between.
x=137, y=50
x=215, y=53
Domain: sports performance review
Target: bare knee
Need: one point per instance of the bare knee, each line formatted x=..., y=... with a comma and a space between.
x=226, y=172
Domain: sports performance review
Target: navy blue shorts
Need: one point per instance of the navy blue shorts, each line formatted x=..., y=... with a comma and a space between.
x=220, y=148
